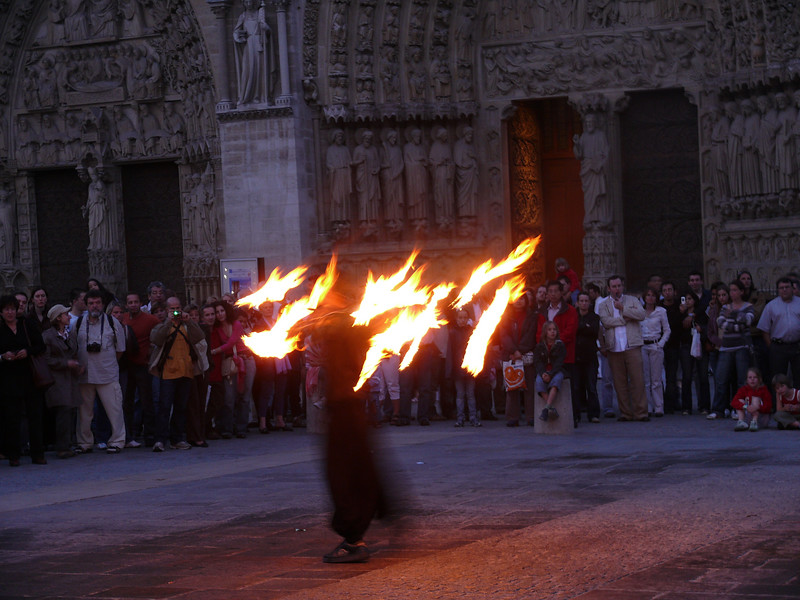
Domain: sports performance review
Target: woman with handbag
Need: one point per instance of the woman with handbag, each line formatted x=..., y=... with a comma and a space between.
x=693, y=354
x=18, y=345
x=64, y=395
x=226, y=343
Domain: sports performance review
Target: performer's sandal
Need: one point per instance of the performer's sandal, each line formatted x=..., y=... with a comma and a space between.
x=348, y=553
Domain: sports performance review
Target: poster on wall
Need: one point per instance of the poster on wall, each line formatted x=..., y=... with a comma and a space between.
x=237, y=275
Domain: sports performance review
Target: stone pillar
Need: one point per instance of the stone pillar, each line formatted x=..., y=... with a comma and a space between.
x=220, y=10
x=285, y=96
x=603, y=242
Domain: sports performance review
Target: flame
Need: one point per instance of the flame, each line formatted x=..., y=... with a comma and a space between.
x=280, y=341
x=410, y=325
x=486, y=273
x=475, y=353
x=386, y=293
x=276, y=287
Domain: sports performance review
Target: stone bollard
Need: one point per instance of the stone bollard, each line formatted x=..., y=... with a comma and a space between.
x=563, y=404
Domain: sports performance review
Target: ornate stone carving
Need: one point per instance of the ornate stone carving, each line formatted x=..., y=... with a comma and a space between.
x=200, y=211
x=465, y=158
x=340, y=183
x=415, y=161
x=367, y=163
x=8, y=226
x=442, y=175
x=392, y=166
x=592, y=149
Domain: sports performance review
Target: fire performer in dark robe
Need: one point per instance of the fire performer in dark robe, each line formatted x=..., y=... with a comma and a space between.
x=356, y=488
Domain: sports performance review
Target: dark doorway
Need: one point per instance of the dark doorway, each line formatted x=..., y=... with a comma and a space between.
x=661, y=187
x=62, y=231
x=153, y=231
x=561, y=185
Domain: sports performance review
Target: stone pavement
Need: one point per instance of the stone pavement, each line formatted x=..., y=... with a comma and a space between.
x=678, y=508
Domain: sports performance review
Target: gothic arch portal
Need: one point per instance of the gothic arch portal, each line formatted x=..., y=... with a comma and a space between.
x=90, y=90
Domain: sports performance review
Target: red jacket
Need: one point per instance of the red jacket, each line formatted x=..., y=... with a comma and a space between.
x=567, y=321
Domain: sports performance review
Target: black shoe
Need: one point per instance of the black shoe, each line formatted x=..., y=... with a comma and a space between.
x=424, y=422
x=263, y=430
x=226, y=436
x=545, y=416
x=348, y=553
x=513, y=423
x=241, y=436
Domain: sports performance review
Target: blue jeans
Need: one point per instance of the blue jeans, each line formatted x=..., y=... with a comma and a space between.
x=419, y=377
x=171, y=416
x=465, y=387
x=725, y=363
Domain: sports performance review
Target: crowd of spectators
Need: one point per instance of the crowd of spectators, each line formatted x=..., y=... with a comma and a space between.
x=150, y=371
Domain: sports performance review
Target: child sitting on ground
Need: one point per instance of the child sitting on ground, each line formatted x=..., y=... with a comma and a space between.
x=548, y=358
x=752, y=403
x=787, y=414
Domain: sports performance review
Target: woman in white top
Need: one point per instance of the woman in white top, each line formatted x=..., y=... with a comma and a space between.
x=655, y=333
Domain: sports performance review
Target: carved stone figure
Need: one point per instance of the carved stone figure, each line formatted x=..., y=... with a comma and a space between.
x=768, y=130
x=440, y=74
x=339, y=25
x=337, y=161
x=127, y=134
x=442, y=172
x=591, y=148
x=102, y=18
x=415, y=161
x=391, y=25
x=719, y=153
x=785, y=148
x=389, y=74
x=735, y=134
x=76, y=24
x=52, y=140
x=151, y=133
x=27, y=144
x=96, y=210
x=200, y=205
x=8, y=226
x=466, y=161
x=175, y=127
x=367, y=163
x=392, y=179
x=417, y=77
x=751, y=168
x=254, y=60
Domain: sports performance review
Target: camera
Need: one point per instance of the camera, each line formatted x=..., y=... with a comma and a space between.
x=683, y=299
x=93, y=347
x=176, y=313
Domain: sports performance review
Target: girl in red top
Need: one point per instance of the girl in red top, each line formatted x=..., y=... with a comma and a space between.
x=752, y=402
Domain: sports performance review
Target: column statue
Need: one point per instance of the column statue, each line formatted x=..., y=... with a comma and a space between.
x=415, y=161
x=466, y=161
x=591, y=148
x=337, y=161
x=367, y=162
x=8, y=225
x=255, y=61
x=392, y=178
x=96, y=210
x=442, y=170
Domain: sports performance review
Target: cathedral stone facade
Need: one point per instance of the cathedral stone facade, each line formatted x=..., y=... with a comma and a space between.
x=144, y=139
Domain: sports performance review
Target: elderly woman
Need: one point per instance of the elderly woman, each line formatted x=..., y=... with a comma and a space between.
x=17, y=344
x=63, y=396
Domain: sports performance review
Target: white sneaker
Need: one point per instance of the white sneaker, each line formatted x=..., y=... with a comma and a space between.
x=158, y=447
x=712, y=416
x=740, y=426
x=133, y=444
x=754, y=424
x=101, y=446
x=728, y=415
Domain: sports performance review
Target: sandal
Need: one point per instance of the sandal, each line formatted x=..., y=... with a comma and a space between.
x=348, y=553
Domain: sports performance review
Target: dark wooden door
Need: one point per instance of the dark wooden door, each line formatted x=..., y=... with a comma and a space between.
x=62, y=231
x=661, y=187
x=153, y=230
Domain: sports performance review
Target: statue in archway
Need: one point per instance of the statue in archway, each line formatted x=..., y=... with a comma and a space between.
x=96, y=210
x=591, y=148
x=8, y=223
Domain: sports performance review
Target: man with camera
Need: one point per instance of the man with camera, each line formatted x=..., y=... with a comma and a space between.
x=100, y=340
x=173, y=362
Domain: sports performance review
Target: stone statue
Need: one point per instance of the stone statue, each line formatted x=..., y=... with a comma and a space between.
x=8, y=225
x=591, y=148
x=767, y=133
x=415, y=162
x=785, y=148
x=102, y=18
x=254, y=59
x=751, y=168
x=200, y=204
x=339, y=25
x=367, y=162
x=96, y=210
x=719, y=153
x=392, y=179
x=337, y=161
x=466, y=161
x=175, y=127
x=151, y=132
x=442, y=171
x=76, y=25
x=440, y=73
x=735, y=148
x=417, y=78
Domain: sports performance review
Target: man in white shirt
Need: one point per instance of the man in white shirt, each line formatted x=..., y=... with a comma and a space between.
x=621, y=317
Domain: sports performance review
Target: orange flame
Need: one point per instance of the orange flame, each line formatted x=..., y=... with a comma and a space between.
x=276, y=287
x=280, y=341
x=410, y=325
x=385, y=293
x=475, y=354
x=486, y=273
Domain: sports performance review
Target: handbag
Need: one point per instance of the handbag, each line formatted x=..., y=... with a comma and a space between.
x=228, y=365
x=513, y=375
x=697, y=346
x=42, y=377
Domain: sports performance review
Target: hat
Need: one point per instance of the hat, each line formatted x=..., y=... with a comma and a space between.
x=56, y=311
